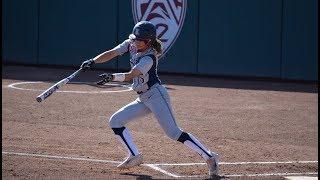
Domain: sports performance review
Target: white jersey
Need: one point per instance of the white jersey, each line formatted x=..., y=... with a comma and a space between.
x=146, y=63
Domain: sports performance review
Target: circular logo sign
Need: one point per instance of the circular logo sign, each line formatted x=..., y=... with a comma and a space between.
x=168, y=17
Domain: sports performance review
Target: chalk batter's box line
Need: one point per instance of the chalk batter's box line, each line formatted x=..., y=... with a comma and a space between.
x=238, y=163
x=157, y=168
x=14, y=86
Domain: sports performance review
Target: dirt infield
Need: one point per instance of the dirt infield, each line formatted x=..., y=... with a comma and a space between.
x=260, y=129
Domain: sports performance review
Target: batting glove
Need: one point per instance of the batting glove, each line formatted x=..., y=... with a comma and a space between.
x=106, y=77
x=87, y=64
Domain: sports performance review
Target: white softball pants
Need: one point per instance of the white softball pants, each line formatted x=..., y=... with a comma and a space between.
x=156, y=101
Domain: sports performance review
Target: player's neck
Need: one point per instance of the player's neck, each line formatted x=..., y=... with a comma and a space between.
x=142, y=51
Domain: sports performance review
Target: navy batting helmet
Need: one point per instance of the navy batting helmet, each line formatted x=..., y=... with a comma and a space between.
x=143, y=30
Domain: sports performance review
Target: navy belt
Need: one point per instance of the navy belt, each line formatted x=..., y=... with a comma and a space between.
x=140, y=92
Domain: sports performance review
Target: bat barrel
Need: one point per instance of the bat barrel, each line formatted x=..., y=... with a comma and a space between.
x=56, y=86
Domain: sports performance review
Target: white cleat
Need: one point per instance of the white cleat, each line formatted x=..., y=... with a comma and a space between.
x=213, y=164
x=131, y=161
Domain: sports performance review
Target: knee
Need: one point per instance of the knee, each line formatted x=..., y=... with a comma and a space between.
x=114, y=121
x=174, y=134
x=183, y=137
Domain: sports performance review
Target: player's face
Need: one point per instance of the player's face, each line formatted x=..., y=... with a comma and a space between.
x=141, y=44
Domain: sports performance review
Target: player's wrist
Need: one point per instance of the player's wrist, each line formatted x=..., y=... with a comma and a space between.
x=120, y=77
x=92, y=61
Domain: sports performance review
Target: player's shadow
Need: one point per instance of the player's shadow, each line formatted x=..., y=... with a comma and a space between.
x=170, y=88
x=214, y=177
x=267, y=84
x=94, y=84
x=144, y=177
x=138, y=176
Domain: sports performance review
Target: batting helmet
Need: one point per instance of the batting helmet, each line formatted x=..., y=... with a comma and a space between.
x=143, y=30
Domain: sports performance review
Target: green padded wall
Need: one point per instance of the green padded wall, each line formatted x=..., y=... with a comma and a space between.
x=240, y=38
x=20, y=31
x=300, y=40
x=272, y=38
x=72, y=31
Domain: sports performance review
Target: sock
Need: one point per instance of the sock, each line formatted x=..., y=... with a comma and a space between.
x=192, y=142
x=125, y=138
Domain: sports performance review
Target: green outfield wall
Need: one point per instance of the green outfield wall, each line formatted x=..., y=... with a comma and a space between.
x=251, y=38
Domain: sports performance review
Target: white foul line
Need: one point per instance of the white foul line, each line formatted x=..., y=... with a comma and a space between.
x=238, y=163
x=87, y=159
x=152, y=166
x=157, y=168
x=257, y=175
x=60, y=157
x=273, y=174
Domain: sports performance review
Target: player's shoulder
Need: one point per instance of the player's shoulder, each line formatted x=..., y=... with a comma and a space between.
x=151, y=54
x=126, y=42
x=149, y=57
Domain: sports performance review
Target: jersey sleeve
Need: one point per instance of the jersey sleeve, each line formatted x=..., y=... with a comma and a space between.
x=123, y=47
x=144, y=65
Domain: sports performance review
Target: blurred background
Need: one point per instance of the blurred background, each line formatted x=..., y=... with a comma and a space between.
x=237, y=38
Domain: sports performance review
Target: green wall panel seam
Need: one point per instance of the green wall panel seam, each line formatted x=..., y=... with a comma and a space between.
x=117, y=33
x=198, y=32
x=281, y=40
x=38, y=33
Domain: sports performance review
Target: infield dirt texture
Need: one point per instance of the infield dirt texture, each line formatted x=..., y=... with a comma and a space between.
x=67, y=136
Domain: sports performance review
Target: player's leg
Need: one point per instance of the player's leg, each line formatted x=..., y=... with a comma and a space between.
x=160, y=105
x=211, y=158
x=117, y=122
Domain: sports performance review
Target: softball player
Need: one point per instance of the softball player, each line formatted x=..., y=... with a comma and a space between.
x=144, y=49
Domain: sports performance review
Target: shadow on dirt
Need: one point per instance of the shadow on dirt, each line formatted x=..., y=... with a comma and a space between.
x=105, y=86
x=214, y=177
x=241, y=83
x=138, y=176
x=33, y=73
x=145, y=177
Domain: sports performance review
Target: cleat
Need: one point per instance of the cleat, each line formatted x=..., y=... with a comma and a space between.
x=213, y=164
x=131, y=161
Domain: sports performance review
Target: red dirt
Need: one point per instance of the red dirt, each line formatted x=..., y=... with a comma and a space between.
x=241, y=120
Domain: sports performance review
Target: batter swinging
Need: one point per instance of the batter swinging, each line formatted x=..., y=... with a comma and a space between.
x=144, y=49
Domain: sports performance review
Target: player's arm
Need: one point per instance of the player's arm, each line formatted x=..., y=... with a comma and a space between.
x=116, y=51
x=130, y=75
x=106, y=56
x=141, y=68
x=120, y=77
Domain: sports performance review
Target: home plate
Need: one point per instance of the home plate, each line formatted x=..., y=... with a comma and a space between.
x=301, y=178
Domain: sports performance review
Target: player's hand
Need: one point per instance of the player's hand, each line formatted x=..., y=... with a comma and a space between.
x=106, y=77
x=87, y=64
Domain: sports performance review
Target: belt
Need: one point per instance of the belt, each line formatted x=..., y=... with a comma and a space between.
x=140, y=92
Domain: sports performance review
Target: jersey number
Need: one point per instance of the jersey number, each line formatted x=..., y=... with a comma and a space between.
x=141, y=80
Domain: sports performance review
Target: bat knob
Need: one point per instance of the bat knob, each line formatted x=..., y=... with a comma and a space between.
x=39, y=99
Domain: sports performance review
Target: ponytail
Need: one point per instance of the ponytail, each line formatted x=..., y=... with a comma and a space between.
x=157, y=46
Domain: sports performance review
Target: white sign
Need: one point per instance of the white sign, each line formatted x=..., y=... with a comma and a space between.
x=167, y=15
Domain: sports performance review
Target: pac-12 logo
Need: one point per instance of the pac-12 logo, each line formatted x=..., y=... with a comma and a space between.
x=167, y=15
